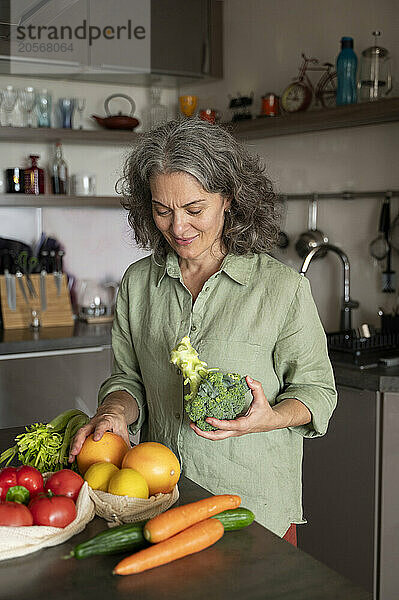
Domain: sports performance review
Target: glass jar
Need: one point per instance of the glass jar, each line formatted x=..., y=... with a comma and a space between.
x=375, y=74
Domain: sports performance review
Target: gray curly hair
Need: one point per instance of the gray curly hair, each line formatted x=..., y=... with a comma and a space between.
x=220, y=164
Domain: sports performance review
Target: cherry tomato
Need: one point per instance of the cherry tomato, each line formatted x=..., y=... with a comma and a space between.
x=54, y=511
x=8, y=478
x=13, y=514
x=30, y=478
x=65, y=483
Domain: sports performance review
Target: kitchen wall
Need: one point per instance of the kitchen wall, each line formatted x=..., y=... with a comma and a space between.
x=263, y=41
x=262, y=45
x=98, y=241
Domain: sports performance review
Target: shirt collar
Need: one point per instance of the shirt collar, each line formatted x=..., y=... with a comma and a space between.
x=238, y=268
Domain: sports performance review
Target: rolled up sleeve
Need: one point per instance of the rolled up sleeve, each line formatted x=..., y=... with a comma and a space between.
x=126, y=374
x=302, y=364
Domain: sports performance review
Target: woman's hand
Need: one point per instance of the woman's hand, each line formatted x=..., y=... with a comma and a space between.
x=106, y=419
x=259, y=417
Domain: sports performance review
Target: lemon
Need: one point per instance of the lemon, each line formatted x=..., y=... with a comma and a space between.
x=128, y=482
x=99, y=474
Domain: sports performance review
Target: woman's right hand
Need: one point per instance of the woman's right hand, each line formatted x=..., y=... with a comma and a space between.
x=103, y=420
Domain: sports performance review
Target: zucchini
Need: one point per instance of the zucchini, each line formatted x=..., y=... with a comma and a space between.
x=235, y=518
x=130, y=536
x=118, y=539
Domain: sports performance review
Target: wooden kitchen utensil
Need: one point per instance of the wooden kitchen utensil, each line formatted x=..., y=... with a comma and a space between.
x=58, y=311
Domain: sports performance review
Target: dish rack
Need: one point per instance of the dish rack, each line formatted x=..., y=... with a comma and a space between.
x=362, y=350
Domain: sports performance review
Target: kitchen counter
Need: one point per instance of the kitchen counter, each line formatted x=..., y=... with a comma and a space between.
x=82, y=335
x=78, y=335
x=377, y=379
x=249, y=564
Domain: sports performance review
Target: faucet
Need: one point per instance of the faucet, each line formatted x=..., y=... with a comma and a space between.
x=346, y=303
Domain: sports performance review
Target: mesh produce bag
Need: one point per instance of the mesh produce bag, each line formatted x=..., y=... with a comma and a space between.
x=18, y=541
x=122, y=509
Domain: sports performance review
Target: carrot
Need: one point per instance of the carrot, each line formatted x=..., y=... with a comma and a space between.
x=191, y=540
x=176, y=519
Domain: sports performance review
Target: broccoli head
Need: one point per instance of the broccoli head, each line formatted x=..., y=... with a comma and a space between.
x=212, y=393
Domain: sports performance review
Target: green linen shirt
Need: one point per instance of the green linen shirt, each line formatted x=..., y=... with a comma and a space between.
x=255, y=316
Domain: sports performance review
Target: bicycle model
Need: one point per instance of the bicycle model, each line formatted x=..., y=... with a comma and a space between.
x=298, y=95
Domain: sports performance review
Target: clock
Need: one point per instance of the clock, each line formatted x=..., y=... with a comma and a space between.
x=297, y=96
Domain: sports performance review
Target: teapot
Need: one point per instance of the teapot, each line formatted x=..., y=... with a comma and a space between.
x=118, y=121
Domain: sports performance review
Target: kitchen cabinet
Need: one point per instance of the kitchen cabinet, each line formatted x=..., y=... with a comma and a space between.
x=37, y=386
x=186, y=44
x=351, y=485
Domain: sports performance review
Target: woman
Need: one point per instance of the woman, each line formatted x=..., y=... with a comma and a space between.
x=204, y=206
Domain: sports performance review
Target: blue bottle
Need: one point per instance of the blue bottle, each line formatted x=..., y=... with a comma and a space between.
x=346, y=73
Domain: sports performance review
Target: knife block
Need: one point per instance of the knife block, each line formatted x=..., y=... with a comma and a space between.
x=58, y=311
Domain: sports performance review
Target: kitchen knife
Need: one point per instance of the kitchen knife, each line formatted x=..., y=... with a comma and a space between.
x=43, y=280
x=19, y=275
x=26, y=266
x=57, y=276
x=10, y=282
x=33, y=262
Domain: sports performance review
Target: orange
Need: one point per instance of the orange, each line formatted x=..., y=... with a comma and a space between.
x=111, y=448
x=128, y=482
x=157, y=463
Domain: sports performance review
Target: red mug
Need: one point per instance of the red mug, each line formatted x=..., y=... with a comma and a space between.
x=209, y=114
x=270, y=105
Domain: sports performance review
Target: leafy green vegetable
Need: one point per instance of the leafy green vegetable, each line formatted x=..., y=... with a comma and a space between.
x=212, y=393
x=44, y=446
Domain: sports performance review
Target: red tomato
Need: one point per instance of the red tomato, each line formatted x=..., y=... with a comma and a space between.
x=65, y=483
x=30, y=478
x=14, y=514
x=8, y=478
x=55, y=511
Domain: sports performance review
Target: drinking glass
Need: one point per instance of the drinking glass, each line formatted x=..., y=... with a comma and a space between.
x=188, y=104
x=27, y=98
x=43, y=103
x=80, y=104
x=66, y=106
x=9, y=100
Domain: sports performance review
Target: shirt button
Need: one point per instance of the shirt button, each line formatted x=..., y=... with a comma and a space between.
x=206, y=289
x=193, y=328
x=177, y=415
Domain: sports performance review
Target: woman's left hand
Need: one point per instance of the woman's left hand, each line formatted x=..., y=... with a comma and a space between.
x=260, y=417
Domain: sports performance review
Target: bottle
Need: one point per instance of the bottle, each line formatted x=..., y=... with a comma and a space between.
x=156, y=113
x=59, y=172
x=346, y=73
x=34, y=177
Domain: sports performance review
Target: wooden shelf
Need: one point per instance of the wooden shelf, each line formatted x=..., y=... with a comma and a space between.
x=352, y=115
x=58, y=200
x=82, y=136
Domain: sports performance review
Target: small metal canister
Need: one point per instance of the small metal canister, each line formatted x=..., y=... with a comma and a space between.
x=270, y=105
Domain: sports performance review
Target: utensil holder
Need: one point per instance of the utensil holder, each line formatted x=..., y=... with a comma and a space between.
x=58, y=311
